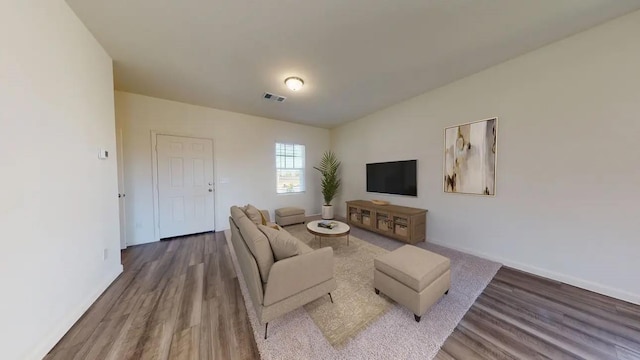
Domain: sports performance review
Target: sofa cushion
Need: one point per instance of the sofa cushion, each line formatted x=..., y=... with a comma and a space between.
x=255, y=215
x=303, y=248
x=283, y=244
x=256, y=241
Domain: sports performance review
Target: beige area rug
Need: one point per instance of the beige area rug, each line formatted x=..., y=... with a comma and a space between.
x=392, y=334
x=355, y=303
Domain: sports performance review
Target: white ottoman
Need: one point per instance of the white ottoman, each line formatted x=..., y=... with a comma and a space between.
x=289, y=216
x=413, y=277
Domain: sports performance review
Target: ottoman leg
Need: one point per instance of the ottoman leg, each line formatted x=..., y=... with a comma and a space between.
x=377, y=291
x=416, y=317
x=446, y=292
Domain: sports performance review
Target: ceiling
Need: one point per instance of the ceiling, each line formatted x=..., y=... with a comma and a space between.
x=356, y=56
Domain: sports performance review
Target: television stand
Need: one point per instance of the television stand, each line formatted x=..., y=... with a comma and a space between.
x=403, y=223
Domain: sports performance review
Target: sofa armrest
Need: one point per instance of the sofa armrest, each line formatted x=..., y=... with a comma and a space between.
x=265, y=213
x=290, y=276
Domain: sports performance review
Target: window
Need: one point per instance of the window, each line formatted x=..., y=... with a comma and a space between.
x=289, y=168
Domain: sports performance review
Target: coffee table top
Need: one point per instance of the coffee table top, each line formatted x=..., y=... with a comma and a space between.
x=341, y=230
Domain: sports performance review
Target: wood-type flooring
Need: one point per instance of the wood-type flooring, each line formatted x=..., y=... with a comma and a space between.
x=180, y=299
x=522, y=316
x=176, y=299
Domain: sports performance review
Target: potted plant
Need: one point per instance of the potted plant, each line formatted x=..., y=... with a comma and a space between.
x=330, y=182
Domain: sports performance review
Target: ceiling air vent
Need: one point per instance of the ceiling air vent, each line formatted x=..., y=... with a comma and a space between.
x=273, y=97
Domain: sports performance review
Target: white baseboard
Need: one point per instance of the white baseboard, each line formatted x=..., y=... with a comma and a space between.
x=65, y=324
x=567, y=279
x=142, y=242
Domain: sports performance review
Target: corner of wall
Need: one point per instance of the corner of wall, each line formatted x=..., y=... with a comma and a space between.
x=65, y=324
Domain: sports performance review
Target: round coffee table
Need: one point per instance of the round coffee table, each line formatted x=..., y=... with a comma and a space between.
x=341, y=230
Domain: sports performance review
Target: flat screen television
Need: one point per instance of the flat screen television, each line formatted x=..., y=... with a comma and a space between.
x=395, y=177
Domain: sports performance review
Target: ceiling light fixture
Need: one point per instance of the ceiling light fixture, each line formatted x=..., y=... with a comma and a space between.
x=294, y=83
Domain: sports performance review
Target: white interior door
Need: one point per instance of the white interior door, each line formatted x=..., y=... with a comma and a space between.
x=185, y=185
x=121, y=194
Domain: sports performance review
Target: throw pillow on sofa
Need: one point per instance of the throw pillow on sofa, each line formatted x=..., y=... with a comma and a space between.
x=255, y=215
x=283, y=244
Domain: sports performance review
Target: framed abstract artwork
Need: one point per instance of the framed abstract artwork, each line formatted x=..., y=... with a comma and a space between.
x=470, y=152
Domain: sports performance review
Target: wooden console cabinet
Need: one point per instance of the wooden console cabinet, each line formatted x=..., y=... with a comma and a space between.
x=399, y=222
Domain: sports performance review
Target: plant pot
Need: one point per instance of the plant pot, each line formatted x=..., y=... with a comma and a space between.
x=327, y=212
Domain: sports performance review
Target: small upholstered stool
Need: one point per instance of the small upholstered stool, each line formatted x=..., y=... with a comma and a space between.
x=289, y=216
x=413, y=277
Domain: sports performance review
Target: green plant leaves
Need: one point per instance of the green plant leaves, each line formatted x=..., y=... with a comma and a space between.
x=330, y=183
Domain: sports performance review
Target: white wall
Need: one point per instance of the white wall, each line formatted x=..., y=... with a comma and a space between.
x=58, y=206
x=568, y=169
x=244, y=158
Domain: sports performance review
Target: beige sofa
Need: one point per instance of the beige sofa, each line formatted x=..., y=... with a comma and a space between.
x=277, y=287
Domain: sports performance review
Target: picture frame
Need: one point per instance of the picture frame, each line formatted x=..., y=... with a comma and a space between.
x=470, y=158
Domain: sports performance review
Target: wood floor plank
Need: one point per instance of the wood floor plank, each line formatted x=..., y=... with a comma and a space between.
x=550, y=328
x=165, y=340
x=99, y=344
x=563, y=298
x=197, y=251
x=512, y=342
x=602, y=334
x=210, y=244
x=459, y=350
x=138, y=331
x=191, y=306
x=215, y=336
x=551, y=335
x=118, y=347
x=227, y=271
x=613, y=323
x=626, y=354
x=241, y=327
x=522, y=334
x=226, y=329
x=486, y=348
x=528, y=316
x=443, y=355
x=212, y=277
x=628, y=310
x=210, y=346
x=186, y=344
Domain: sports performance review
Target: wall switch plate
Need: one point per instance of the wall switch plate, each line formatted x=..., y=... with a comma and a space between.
x=103, y=154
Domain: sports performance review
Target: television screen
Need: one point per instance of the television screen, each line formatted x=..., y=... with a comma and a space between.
x=396, y=177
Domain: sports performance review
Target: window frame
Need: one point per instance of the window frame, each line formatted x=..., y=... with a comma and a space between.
x=302, y=170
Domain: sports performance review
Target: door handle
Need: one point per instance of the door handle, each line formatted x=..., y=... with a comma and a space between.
x=210, y=190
